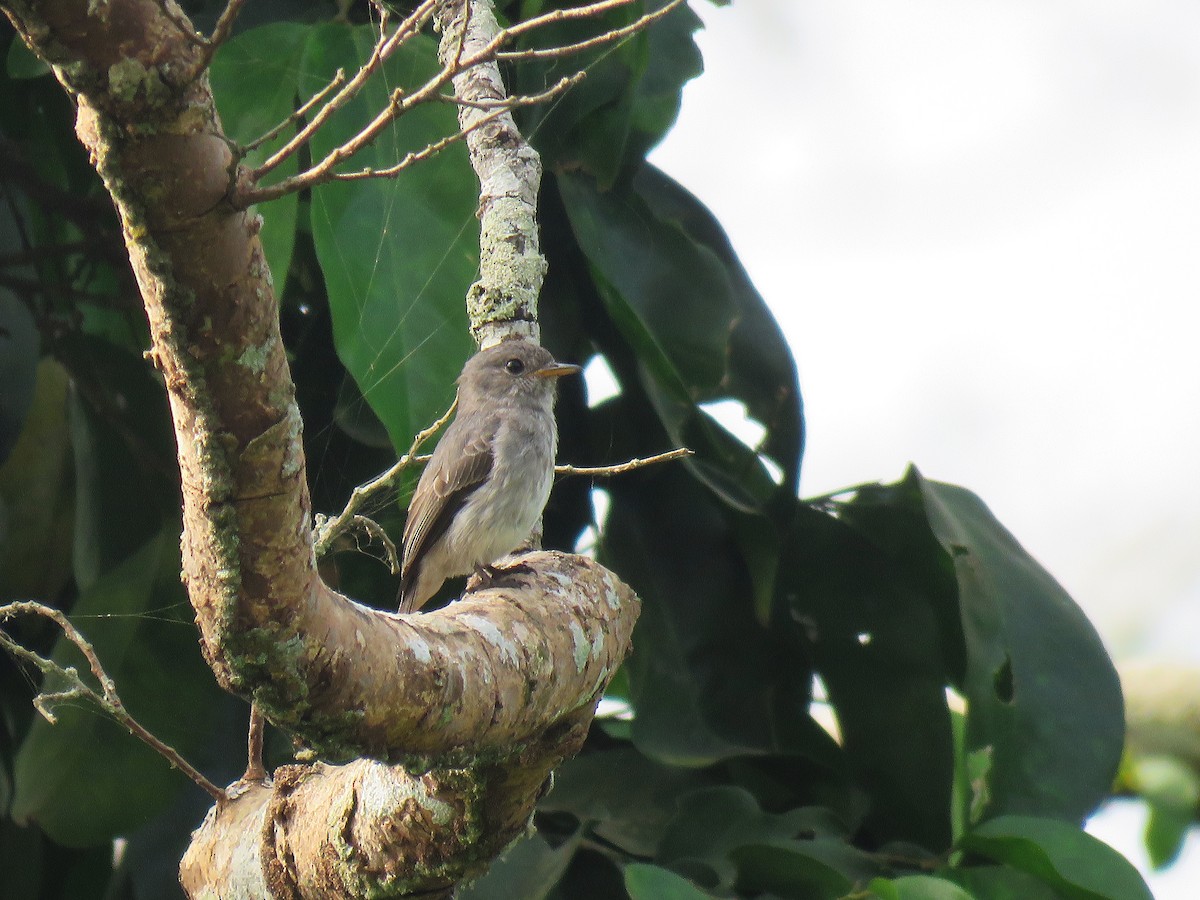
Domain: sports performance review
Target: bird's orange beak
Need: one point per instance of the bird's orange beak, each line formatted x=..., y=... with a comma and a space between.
x=557, y=370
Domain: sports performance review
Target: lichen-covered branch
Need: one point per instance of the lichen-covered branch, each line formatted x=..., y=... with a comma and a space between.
x=370, y=829
x=503, y=302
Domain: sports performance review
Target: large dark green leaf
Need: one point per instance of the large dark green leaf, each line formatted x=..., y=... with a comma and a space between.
x=85, y=779
x=711, y=823
x=1000, y=883
x=36, y=496
x=648, y=882
x=1075, y=864
x=1041, y=691
x=673, y=61
x=398, y=255
x=759, y=370
x=818, y=869
x=630, y=98
x=647, y=268
x=255, y=78
x=874, y=638
x=125, y=470
x=20, y=348
x=703, y=675
x=529, y=869
x=587, y=127
x=620, y=795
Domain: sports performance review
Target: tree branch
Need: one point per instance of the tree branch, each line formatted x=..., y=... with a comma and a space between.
x=503, y=302
x=384, y=47
x=327, y=529
x=107, y=700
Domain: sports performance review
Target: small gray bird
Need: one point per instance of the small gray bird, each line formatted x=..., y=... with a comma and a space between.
x=488, y=481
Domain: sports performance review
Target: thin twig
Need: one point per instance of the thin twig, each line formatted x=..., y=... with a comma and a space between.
x=224, y=27
x=558, y=15
x=107, y=699
x=563, y=84
x=622, y=468
x=608, y=37
x=499, y=108
x=384, y=48
x=254, y=747
x=183, y=23
x=374, y=530
x=327, y=529
x=339, y=79
x=400, y=103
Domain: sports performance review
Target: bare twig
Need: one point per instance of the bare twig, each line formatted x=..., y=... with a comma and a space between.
x=508, y=103
x=106, y=700
x=600, y=40
x=558, y=15
x=224, y=27
x=338, y=80
x=254, y=747
x=622, y=468
x=208, y=45
x=400, y=102
x=327, y=529
x=385, y=47
x=499, y=108
x=376, y=531
x=183, y=23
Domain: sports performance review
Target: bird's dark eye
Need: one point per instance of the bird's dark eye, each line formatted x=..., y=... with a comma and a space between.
x=514, y=366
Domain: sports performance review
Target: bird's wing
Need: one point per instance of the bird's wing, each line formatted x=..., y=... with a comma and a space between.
x=460, y=464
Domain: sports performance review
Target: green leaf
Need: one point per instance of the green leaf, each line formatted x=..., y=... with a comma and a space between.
x=587, y=127
x=1040, y=688
x=36, y=495
x=759, y=369
x=123, y=453
x=705, y=679
x=606, y=124
x=873, y=635
x=621, y=796
x=529, y=870
x=647, y=882
x=673, y=61
x=1000, y=883
x=1171, y=788
x=820, y=869
x=85, y=779
x=255, y=78
x=20, y=349
x=917, y=887
x=1074, y=863
x=398, y=254
x=647, y=268
x=22, y=63
x=713, y=822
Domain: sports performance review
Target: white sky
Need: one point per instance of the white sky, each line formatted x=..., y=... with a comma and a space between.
x=979, y=226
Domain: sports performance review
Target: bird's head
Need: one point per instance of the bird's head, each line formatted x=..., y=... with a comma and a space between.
x=510, y=369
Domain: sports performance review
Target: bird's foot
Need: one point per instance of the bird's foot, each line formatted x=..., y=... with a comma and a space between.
x=494, y=576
